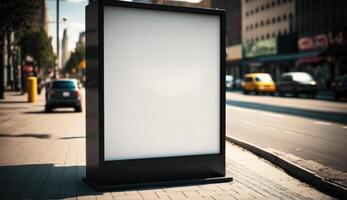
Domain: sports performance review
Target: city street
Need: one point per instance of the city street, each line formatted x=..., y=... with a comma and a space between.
x=311, y=129
x=43, y=157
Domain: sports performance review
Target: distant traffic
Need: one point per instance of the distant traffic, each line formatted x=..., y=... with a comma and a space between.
x=291, y=83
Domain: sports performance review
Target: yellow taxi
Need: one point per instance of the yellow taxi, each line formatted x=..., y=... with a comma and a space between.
x=258, y=83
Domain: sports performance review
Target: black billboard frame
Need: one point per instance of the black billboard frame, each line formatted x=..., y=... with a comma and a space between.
x=148, y=172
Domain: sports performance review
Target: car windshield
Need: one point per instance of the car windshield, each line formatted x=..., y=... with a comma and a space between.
x=264, y=78
x=63, y=85
x=302, y=77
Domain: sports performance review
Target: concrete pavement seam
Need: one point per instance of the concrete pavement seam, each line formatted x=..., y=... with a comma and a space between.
x=297, y=171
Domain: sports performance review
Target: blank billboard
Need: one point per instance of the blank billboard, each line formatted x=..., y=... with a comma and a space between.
x=161, y=83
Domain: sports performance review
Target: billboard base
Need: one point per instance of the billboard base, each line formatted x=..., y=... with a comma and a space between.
x=158, y=184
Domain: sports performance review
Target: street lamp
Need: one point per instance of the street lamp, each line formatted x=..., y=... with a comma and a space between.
x=57, y=66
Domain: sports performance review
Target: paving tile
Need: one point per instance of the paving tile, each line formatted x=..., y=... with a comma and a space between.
x=32, y=167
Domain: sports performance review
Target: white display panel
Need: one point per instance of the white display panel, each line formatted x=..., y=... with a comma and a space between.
x=161, y=83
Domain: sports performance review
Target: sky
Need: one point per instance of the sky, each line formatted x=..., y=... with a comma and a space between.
x=74, y=12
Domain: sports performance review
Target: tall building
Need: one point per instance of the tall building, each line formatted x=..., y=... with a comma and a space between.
x=233, y=28
x=322, y=29
x=265, y=19
x=233, y=22
x=320, y=16
x=81, y=40
x=65, y=48
x=41, y=18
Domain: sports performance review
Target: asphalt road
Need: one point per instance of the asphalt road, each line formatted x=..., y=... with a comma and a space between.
x=308, y=128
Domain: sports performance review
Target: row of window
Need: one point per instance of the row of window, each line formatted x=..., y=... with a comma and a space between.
x=266, y=6
x=268, y=36
x=274, y=20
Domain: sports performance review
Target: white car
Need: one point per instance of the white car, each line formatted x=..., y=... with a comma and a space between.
x=229, y=81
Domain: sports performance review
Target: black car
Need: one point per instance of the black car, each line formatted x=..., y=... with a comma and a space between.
x=296, y=83
x=63, y=93
x=339, y=87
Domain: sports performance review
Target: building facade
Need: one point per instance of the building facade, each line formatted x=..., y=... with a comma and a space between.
x=320, y=16
x=266, y=19
x=233, y=22
x=321, y=26
x=65, y=48
x=41, y=18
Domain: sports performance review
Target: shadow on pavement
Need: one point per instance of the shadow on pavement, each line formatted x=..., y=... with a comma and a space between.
x=52, y=112
x=32, y=135
x=43, y=181
x=312, y=114
x=10, y=102
x=74, y=137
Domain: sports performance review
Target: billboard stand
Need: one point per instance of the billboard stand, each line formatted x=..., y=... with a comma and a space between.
x=158, y=184
x=155, y=95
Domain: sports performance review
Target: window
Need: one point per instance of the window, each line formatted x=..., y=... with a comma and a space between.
x=273, y=3
x=279, y=33
x=268, y=35
x=247, y=13
x=279, y=19
x=64, y=85
x=262, y=7
x=261, y=23
x=290, y=15
x=256, y=25
x=267, y=5
x=286, y=78
x=262, y=37
x=267, y=21
x=273, y=20
x=264, y=78
x=284, y=17
x=256, y=9
x=278, y=2
x=248, y=79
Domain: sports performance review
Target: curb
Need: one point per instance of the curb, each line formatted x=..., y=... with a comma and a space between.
x=294, y=170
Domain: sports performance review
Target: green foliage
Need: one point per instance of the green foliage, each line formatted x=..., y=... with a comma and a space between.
x=17, y=15
x=39, y=46
x=75, y=58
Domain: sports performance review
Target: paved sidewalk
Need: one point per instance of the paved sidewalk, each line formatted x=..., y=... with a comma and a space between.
x=43, y=156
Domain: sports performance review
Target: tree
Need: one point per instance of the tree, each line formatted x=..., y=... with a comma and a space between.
x=39, y=46
x=75, y=59
x=15, y=15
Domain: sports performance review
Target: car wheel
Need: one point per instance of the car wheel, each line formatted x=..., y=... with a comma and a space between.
x=256, y=92
x=245, y=92
x=336, y=96
x=295, y=94
x=272, y=93
x=78, y=109
x=48, y=109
